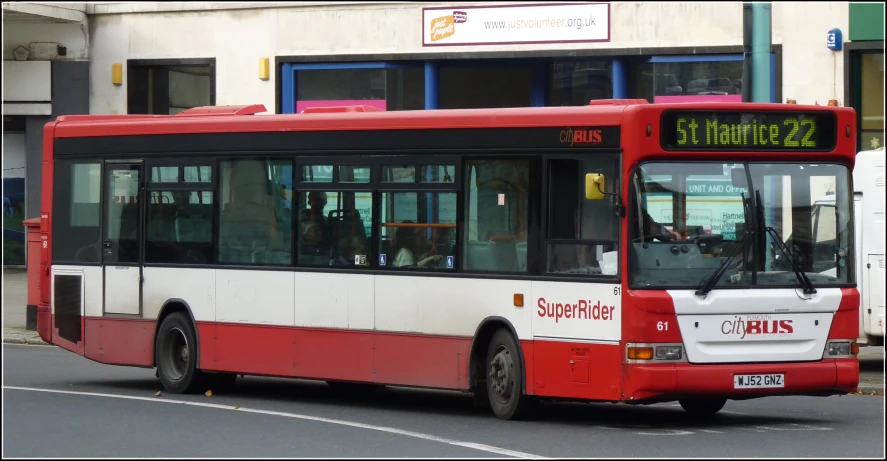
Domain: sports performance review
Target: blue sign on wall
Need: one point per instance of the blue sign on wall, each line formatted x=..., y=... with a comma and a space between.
x=834, y=40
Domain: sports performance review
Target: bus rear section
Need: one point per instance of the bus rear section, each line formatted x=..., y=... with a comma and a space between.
x=738, y=287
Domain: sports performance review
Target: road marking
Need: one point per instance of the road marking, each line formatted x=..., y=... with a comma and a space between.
x=733, y=412
x=800, y=427
x=710, y=431
x=666, y=432
x=391, y=430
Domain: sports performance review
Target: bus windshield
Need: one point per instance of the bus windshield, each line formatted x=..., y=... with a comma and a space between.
x=689, y=219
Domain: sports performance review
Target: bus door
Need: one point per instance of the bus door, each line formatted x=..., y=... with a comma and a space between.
x=121, y=239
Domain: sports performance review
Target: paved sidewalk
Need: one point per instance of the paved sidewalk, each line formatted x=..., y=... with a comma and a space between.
x=15, y=297
x=22, y=336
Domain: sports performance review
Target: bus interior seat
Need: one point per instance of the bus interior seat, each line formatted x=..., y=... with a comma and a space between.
x=521, y=250
x=481, y=256
x=505, y=254
x=343, y=223
x=192, y=224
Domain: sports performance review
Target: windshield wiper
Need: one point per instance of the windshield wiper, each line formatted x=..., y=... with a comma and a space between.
x=710, y=283
x=740, y=243
x=802, y=276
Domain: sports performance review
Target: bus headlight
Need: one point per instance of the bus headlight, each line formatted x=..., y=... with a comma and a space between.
x=841, y=348
x=669, y=352
x=653, y=353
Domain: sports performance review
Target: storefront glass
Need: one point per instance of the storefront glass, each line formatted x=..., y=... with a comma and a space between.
x=400, y=88
x=485, y=86
x=872, y=101
x=690, y=81
x=575, y=83
x=13, y=191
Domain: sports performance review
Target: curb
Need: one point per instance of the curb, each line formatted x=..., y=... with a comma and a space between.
x=29, y=341
x=869, y=389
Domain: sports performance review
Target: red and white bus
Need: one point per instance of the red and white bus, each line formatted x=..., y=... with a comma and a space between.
x=617, y=252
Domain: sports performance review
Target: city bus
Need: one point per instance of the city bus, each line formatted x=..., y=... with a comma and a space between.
x=868, y=209
x=615, y=252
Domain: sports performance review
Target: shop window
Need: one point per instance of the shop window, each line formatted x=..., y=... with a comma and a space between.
x=75, y=225
x=14, y=190
x=575, y=83
x=167, y=88
x=582, y=234
x=496, y=215
x=872, y=101
x=256, y=212
x=463, y=87
x=690, y=81
x=386, y=88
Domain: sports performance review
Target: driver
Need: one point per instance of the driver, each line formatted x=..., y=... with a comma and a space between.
x=653, y=229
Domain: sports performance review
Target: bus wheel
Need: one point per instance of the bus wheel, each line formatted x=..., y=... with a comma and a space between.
x=702, y=407
x=505, y=377
x=175, y=354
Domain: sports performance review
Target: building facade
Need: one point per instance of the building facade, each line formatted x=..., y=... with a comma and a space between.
x=45, y=74
x=864, y=72
x=162, y=58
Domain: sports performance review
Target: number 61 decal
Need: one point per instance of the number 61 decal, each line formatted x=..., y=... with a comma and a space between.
x=662, y=326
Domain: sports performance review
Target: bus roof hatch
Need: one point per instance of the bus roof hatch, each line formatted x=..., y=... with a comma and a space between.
x=616, y=102
x=225, y=110
x=338, y=109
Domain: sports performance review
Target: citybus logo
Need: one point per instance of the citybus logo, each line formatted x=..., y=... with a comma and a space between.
x=582, y=136
x=579, y=310
x=744, y=327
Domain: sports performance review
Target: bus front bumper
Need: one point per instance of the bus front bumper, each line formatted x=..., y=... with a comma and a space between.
x=653, y=383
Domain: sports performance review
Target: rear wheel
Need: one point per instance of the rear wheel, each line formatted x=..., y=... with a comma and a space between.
x=702, y=407
x=176, y=355
x=504, y=375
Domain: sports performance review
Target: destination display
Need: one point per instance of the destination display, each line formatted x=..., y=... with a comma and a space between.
x=707, y=130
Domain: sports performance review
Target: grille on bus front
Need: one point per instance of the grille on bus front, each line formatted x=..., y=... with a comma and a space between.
x=68, y=297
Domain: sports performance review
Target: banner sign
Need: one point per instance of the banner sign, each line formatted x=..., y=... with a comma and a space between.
x=516, y=24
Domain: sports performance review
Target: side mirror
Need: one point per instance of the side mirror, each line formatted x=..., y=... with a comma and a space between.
x=594, y=186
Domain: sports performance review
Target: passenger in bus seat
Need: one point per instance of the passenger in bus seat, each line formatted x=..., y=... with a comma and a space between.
x=319, y=242
x=348, y=248
x=407, y=241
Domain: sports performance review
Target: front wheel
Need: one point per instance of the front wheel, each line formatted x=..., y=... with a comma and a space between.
x=505, y=378
x=702, y=407
x=176, y=355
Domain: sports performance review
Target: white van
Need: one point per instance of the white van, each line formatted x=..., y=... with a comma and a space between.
x=868, y=208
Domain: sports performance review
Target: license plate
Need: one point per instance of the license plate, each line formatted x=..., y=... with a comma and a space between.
x=758, y=381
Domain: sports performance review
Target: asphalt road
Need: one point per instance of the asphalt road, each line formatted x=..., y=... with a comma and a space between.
x=56, y=404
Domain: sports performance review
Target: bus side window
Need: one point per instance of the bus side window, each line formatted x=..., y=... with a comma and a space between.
x=255, y=214
x=583, y=235
x=496, y=215
x=77, y=207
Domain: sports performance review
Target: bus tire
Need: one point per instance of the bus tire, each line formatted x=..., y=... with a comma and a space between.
x=504, y=376
x=176, y=355
x=702, y=407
